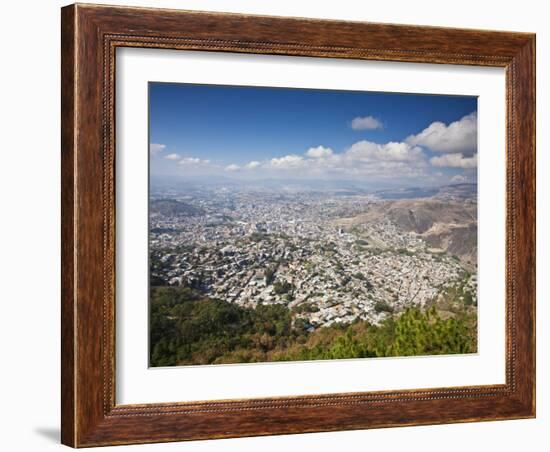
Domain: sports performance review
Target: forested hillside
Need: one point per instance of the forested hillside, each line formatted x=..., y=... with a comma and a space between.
x=187, y=328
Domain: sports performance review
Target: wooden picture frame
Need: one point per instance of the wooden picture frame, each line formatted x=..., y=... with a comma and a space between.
x=90, y=36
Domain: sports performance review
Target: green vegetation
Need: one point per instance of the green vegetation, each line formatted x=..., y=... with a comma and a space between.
x=404, y=251
x=383, y=306
x=282, y=287
x=258, y=236
x=189, y=329
x=270, y=274
x=306, y=307
x=456, y=297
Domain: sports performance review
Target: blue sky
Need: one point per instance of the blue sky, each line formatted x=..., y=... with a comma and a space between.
x=255, y=133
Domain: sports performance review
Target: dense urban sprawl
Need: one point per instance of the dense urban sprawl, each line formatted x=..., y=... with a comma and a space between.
x=298, y=249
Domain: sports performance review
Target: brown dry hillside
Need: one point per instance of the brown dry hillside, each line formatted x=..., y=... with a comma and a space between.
x=448, y=225
x=419, y=215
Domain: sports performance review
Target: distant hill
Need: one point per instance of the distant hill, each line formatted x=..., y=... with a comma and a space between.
x=407, y=193
x=457, y=240
x=455, y=191
x=458, y=191
x=448, y=225
x=419, y=215
x=171, y=207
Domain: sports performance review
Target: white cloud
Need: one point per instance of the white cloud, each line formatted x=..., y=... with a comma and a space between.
x=365, y=123
x=454, y=161
x=458, y=136
x=367, y=151
x=366, y=159
x=193, y=161
x=362, y=159
x=253, y=164
x=287, y=162
x=392, y=159
x=172, y=157
x=319, y=152
x=156, y=148
x=232, y=167
x=459, y=179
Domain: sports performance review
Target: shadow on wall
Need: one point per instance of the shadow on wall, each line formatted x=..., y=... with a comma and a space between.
x=50, y=433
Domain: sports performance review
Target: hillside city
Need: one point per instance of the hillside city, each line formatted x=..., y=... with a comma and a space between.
x=329, y=256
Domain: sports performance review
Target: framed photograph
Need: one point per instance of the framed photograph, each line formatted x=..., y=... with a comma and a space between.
x=281, y=225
